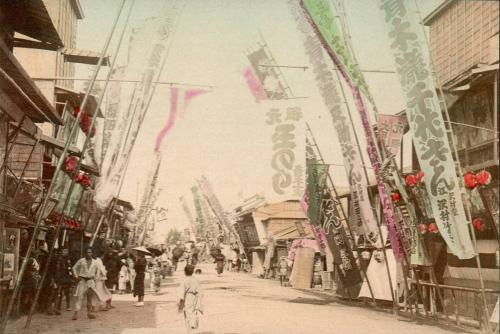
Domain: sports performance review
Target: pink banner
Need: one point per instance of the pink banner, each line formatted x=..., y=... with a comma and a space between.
x=174, y=98
x=301, y=243
x=254, y=85
x=394, y=236
x=390, y=131
x=189, y=95
x=174, y=94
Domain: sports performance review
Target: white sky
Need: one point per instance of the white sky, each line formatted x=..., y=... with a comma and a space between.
x=221, y=135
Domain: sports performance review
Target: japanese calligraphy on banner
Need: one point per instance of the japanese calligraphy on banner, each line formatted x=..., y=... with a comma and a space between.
x=338, y=242
x=286, y=132
x=316, y=178
x=394, y=236
x=147, y=54
x=427, y=127
x=320, y=13
x=390, y=131
x=365, y=221
x=113, y=111
x=213, y=201
x=270, y=82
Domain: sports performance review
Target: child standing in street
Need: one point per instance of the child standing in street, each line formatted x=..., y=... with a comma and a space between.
x=282, y=269
x=123, y=278
x=157, y=276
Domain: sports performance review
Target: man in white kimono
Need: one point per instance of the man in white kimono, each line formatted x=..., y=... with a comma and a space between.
x=190, y=299
x=103, y=292
x=85, y=271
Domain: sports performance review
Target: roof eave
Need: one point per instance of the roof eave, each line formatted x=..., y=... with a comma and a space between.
x=436, y=12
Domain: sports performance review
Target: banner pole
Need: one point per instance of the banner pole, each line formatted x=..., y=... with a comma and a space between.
x=41, y=209
x=486, y=314
x=347, y=34
x=382, y=240
x=77, y=169
x=353, y=239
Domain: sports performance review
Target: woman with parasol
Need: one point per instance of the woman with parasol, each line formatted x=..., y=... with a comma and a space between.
x=140, y=269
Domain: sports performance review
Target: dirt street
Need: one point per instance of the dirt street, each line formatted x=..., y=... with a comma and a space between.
x=236, y=304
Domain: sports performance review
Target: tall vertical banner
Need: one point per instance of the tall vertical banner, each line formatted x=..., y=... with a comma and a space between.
x=148, y=51
x=365, y=221
x=339, y=242
x=113, y=111
x=286, y=134
x=214, y=203
x=262, y=77
x=319, y=11
x=318, y=14
x=201, y=226
x=390, y=132
x=187, y=211
x=427, y=127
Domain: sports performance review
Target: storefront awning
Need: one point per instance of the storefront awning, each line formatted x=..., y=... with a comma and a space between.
x=58, y=144
x=31, y=18
x=22, y=90
x=76, y=98
x=126, y=204
x=83, y=57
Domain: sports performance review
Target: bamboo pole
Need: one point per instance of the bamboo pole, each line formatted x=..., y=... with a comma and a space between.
x=486, y=314
x=41, y=210
x=78, y=165
x=364, y=276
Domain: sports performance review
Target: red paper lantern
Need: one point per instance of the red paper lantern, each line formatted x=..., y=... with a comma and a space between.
x=433, y=228
x=483, y=178
x=419, y=177
x=422, y=228
x=76, y=111
x=70, y=164
x=470, y=180
x=395, y=196
x=478, y=224
x=411, y=181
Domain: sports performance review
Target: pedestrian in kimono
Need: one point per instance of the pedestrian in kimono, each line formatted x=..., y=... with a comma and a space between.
x=219, y=260
x=131, y=271
x=190, y=299
x=85, y=270
x=101, y=288
x=64, y=279
x=140, y=274
x=123, y=277
x=157, y=276
x=282, y=269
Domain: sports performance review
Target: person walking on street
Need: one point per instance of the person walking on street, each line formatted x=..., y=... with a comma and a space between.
x=140, y=274
x=282, y=270
x=101, y=288
x=131, y=271
x=64, y=279
x=157, y=276
x=85, y=270
x=123, y=278
x=220, y=260
x=190, y=299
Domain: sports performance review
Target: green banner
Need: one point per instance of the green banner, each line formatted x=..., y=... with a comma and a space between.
x=324, y=22
x=61, y=189
x=316, y=178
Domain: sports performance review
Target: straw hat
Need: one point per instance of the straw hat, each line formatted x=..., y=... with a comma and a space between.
x=142, y=249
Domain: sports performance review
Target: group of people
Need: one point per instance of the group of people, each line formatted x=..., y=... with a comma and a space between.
x=91, y=275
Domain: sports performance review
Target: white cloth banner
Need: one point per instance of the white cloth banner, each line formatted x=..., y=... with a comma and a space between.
x=365, y=221
x=147, y=52
x=285, y=132
x=427, y=127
